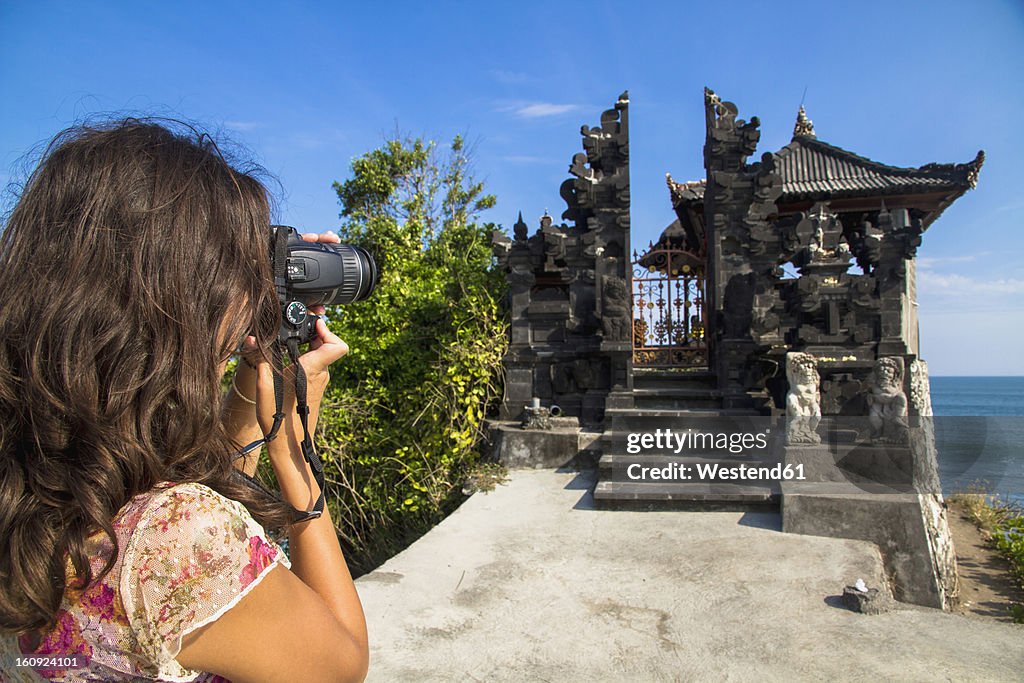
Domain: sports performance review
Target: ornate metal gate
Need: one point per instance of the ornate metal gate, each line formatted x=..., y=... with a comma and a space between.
x=668, y=309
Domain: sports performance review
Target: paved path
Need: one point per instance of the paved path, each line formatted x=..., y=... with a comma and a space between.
x=531, y=583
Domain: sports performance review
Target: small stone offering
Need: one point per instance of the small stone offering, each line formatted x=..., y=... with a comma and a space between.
x=860, y=598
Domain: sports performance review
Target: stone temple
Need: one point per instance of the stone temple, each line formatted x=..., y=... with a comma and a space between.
x=779, y=306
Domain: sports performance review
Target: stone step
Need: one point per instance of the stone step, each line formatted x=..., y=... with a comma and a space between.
x=683, y=490
x=684, y=496
x=672, y=398
x=663, y=379
x=679, y=392
x=679, y=412
x=614, y=442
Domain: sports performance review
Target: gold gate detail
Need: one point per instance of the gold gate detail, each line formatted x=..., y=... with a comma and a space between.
x=668, y=310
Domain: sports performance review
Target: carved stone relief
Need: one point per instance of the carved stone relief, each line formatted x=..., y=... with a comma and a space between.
x=887, y=403
x=920, y=388
x=615, y=312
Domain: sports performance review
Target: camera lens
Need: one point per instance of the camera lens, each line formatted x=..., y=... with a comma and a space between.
x=359, y=274
x=327, y=274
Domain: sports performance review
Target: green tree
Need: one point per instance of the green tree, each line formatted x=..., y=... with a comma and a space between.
x=403, y=416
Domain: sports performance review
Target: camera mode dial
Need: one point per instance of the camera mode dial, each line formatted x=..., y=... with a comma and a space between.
x=295, y=313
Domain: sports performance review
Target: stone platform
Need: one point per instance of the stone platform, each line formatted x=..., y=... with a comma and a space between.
x=531, y=583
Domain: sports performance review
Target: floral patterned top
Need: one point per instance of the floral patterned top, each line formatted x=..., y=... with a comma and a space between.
x=188, y=555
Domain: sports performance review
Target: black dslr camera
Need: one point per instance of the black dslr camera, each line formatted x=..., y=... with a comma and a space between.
x=313, y=273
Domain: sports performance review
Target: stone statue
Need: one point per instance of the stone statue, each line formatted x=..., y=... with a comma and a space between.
x=536, y=417
x=520, y=229
x=887, y=404
x=817, y=247
x=615, y=314
x=803, y=406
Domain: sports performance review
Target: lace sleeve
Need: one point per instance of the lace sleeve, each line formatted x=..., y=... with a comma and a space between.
x=192, y=557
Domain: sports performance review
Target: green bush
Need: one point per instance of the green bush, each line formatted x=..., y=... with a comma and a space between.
x=1008, y=538
x=402, y=420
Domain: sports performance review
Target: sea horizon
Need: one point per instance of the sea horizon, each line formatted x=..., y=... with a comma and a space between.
x=979, y=433
x=976, y=376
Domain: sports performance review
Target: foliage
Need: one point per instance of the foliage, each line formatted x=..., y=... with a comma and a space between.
x=1008, y=538
x=402, y=420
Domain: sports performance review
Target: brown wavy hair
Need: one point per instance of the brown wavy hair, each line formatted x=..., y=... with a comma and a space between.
x=133, y=264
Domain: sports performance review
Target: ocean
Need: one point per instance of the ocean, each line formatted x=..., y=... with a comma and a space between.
x=979, y=433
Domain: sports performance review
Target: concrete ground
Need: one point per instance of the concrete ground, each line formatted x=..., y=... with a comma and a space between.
x=531, y=583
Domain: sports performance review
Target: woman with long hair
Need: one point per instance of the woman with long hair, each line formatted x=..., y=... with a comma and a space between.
x=135, y=263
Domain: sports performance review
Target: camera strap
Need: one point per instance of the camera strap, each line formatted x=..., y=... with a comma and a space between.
x=308, y=451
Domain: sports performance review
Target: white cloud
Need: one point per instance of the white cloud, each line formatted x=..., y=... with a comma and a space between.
x=935, y=261
x=537, y=110
x=1011, y=207
x=929, y=282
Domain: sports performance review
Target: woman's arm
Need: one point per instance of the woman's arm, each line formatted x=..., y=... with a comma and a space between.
x=307, y=623
x=240, y=413
x=315, y=553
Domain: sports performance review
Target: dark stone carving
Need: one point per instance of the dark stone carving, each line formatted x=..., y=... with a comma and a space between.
x=554, y=245
x=843, y=394
x=688, y=232
x=615, y=315
x=579, y=375
x=739, y=304
x=536, y=418
x=568, y=284
x=827, y=252
x=866, y=244
x=520, y=229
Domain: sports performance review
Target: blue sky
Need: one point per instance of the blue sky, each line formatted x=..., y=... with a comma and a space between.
x=306, y=87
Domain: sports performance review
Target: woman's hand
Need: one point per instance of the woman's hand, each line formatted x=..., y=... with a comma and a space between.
x=326, y=347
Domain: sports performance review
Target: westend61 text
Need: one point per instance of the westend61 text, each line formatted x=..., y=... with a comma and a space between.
x=675, y=471
x=666, y=439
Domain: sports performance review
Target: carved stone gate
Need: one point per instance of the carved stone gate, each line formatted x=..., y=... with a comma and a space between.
x=669, y=319
x=711, y=294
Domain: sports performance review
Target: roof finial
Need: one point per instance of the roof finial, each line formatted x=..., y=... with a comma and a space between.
x=521, y=231
x=804, y=126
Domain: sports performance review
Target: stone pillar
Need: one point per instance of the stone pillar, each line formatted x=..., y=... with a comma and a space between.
x=569, y=294
x=742, y=244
